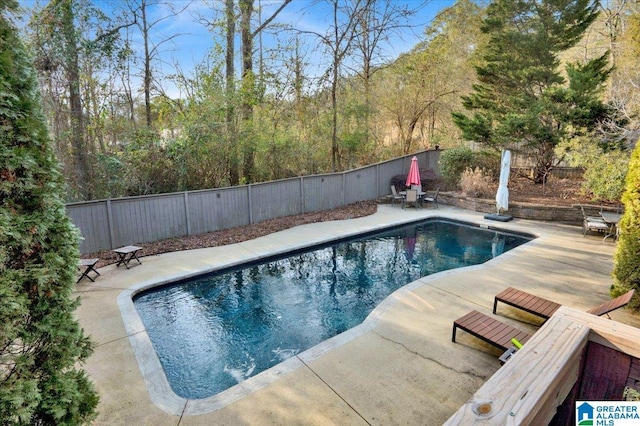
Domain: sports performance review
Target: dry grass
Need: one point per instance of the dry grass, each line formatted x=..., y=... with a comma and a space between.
x=475, y=183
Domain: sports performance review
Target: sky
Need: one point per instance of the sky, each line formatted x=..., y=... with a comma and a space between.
x=191, y=41
x=314, y=16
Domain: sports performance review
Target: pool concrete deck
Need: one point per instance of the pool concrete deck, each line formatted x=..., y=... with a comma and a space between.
x=399, y=367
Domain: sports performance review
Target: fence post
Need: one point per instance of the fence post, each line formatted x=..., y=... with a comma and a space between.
x=303, y=205
x=110, y=224
x=186, y=212
x=378, y=194
x=250, y=204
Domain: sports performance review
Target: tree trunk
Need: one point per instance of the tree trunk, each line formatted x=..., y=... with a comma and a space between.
x=147, y=64
x=408, y=141
x=232, y=164
x=544, y=165
x=248, y=86
x=334, y=89
x=78, y=145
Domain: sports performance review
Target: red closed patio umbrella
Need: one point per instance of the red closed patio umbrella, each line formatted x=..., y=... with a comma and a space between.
x=410, y=247
x=413, y=178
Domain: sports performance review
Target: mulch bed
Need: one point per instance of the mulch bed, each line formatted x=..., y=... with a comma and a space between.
x=243, y=233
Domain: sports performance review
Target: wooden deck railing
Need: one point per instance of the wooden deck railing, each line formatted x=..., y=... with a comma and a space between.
x=563, y=362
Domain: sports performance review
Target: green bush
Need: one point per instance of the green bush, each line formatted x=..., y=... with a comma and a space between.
x=604, y=172
x=605, y=176
x=488, y=162
x=453, y=162
x=626, y=271
x=149, y=167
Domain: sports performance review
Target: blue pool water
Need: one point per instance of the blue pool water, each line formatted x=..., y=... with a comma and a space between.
x=215, y=331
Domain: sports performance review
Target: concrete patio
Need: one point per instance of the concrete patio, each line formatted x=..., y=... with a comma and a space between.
x=399, y=367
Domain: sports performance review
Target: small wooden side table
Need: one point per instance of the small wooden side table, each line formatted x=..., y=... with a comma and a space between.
x=126, y=254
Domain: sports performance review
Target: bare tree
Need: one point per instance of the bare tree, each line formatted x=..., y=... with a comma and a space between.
x=248, y=37
x=376, y=23
x=338, y=42
x=240, y=103
x=152, y=44
x=230, y=76
x=69, y=63
x=424, y=86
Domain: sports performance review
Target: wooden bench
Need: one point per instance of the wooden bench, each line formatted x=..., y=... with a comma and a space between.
x=490, y=330
x=527, y=302
x=88, y=265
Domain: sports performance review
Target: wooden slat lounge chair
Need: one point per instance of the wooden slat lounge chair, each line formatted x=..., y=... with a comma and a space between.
x=612, y=305
x=527, y=302
x=489, y=329
x=545, y=308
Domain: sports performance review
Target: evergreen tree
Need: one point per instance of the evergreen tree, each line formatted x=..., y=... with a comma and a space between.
x=523, y=100
x=41, y=343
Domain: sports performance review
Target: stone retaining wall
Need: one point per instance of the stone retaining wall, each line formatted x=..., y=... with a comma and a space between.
x=565, y=214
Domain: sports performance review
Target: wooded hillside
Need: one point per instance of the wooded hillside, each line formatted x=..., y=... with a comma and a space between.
x=250, y=112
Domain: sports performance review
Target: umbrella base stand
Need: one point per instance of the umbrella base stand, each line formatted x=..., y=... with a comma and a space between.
x=498, y=217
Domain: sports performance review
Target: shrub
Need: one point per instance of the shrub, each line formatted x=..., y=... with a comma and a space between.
x=428, y=179
x=453, y=163
x=488, y=162
x=604, y=172
x=626, y=270
x=476, y=183
x=605, y=176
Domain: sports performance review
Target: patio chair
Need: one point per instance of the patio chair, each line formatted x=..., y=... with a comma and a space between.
x=394, y=195
x=545, y=308
x=592, y=223
x=433, y=199
x=411, y=196
x=490, y=330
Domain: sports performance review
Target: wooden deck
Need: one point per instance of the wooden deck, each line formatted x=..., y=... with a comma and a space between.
x=574, y=356
x=527, y=302
x=490, y=330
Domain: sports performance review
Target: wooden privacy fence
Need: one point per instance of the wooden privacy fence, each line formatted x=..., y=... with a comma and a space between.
x=112, y=223
x=559, y=172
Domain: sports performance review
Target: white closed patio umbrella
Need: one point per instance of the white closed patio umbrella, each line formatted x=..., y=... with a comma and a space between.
x=502, y=196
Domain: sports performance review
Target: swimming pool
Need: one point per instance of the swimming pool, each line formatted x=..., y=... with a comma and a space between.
x=213, y=332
